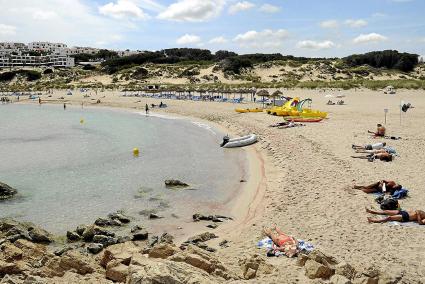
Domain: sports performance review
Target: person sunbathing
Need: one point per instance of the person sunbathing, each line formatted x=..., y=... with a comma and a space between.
x=375, y=146
x=397, y=215
x=380, y=131
x=386, y=149
x=386, y=157
x=290, y=125
x=283, y=242
x=381, y=186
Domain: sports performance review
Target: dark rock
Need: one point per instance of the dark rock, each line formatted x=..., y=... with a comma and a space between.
x=242, y=180
x=215, y=218
x=93, y=230
x=120, y=217
x=140, y=235
x=80, y=229
x=39, y=235
x=6, y=191
x=136, y=228
x=123, y=239
x=104, y=240
x=175, y=183
x=102, y=222
x=72, y=236
x=62, y=250
x=94, y=248
x=224, y=244
x=202, y=238
x=166, y=239
x=206, y=247
x=154, y=216
x=212, y=226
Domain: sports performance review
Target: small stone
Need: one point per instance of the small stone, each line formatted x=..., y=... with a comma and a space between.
x=94, y=248
x=154, y=216
x=136, y=228
x=120, y=217
x=250, y=274
x=102, y=222
x=212, y=226
x=123, y=239
x=224, y=244
x=175, y=183
x=163, y=251
x=80, y=229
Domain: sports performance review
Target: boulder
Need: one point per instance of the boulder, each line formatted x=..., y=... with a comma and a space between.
x=339, y=279
x=120, y=217
x=72, y=236
x=39, y=235
x=62, y=250
x=93, y=230
x=315, y=270
x=145, y=270
x=322, y=258
x=202, y=238
x=121, y=252
x=104, y=240
x=6, y=191
x=117, y=273
x=163, y=251
x=254, y=265
x=94, y=248
x=140, y=235
x=80, y=229
x=31, y=250
x=10, y=252
x=175, y=183
x=9, y=268
x=77, y=262
x=345, y=270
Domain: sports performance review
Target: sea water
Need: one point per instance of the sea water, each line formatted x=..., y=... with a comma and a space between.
x=72, y=166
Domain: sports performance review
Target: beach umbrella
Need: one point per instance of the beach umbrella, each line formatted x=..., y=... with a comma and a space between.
x=276, y=93
x=263, y=93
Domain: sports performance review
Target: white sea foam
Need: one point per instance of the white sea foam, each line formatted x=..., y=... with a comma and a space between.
x=205, y=126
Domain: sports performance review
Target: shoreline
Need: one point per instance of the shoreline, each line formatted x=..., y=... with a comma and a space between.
x=239, y=205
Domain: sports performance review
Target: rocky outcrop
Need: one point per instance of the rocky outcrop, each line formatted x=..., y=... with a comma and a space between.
x=12, y=231
x=253, y=266
x=6, y=191
x=214, y=218
x=174, y=183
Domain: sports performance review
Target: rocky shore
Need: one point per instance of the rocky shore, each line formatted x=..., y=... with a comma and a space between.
x=98, y=254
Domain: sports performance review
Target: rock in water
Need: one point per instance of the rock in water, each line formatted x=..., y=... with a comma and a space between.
x=175, y=183
x=6, y=191
x=94, y=248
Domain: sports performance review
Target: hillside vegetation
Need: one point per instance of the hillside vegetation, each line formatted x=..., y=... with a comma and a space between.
x=200, y=69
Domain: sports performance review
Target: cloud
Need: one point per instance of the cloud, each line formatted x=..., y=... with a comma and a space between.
x=43, y=15
x=193, y=10
x=265, y=38
x=7, y=30
x=268, y=8
x=73, y=22
x=188, y=39
x=329, y=24
x=367, y=38
x=356, y=23
x=240, y=6
x=218, y=40
x=311, y=44
x=378, y=15
x=123, y=9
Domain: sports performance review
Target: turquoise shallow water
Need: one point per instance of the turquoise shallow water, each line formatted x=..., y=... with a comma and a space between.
x=69, y=173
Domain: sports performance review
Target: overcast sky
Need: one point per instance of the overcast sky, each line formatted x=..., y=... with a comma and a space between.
x=322, y=28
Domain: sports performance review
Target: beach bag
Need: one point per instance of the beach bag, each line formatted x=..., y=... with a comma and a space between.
x=389, y=204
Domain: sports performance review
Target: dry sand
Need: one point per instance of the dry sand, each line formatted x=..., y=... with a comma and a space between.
x=302, y=178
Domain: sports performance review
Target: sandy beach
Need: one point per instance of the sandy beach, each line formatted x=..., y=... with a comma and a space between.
x=301, y=179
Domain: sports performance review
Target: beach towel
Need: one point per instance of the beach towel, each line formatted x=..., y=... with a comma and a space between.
x=399, y=194
x=405, y=224
x=288, y=250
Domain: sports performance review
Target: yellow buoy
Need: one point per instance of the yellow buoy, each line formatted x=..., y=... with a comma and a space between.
x=136, y=152
x=82, y=121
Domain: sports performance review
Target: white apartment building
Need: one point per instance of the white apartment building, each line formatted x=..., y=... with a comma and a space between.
x=45, y=46
x=12, y=45
x=21, y=60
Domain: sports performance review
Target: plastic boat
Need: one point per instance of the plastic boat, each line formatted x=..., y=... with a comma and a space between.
x=303, y=119
x=239, y=142
x=245, y=110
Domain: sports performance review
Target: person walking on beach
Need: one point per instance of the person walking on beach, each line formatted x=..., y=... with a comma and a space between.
x=39, y=100
x=397, y=215
x=147, y=109
x=64, y=106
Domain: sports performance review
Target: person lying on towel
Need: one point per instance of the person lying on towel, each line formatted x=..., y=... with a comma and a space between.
x=386, y=157
x=375, y=146
x=282, y=242
x=382, y=186
x=398, y=215
x=386, y=149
